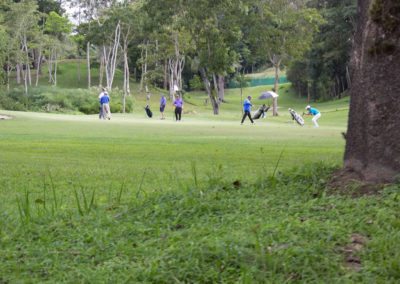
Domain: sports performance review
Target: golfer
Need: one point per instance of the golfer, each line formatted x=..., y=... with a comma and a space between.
x=178, y=103
x=315, y=113
x=163, y=103
x=105, y=102
x=247, y=109
x=102, y=93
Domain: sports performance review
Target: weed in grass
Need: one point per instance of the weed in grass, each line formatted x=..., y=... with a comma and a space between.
x=24, y=207
x=83, y=204
x=273, y=234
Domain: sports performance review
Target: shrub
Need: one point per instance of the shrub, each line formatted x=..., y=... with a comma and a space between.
x=51, y=99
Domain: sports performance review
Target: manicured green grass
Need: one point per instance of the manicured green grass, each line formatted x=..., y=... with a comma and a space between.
x=202, y=200
x=205, y=200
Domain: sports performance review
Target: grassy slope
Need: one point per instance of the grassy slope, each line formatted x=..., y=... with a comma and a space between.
x=165, y=208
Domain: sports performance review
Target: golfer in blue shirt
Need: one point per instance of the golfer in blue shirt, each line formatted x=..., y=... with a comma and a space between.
x=247, y=109
x=315, y=113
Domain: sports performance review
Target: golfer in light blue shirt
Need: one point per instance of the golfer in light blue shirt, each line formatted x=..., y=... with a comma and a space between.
x=315, y=113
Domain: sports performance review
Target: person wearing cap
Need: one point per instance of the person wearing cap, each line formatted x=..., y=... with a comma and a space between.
x=163, y=103
x=247, y=109
x=105, y=102
x=101, y=113
x=315, y=113
x=178, y=103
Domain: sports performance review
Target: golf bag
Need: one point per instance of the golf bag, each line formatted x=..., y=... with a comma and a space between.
x=260, y=112
x=296, y=117
x=148, y=111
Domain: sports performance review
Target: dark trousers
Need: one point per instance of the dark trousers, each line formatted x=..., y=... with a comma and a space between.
x=178, y=113
x=247, y=113
x=101, y=113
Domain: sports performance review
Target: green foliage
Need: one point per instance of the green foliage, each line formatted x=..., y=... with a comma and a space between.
x=3, y=52
x=57, y=25
x=49, y=99
x=195, y=83
x=323, y=71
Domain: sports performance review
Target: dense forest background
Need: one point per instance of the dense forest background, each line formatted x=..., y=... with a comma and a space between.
x=180, y=45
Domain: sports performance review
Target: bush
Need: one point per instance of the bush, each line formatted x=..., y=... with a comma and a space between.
x=196, y=83
x=51, y=99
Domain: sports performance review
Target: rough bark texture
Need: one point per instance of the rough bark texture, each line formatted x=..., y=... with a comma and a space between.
x=373, y=149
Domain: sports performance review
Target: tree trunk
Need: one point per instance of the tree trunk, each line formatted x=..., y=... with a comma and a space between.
x=25, y=77
x=78, y=71
x=38, y=63
x=210, y=94
x=8, y=72
x=348, y=77
x=172, y=78
x=50, y=66
x=55, y=68
x=144, y=66
x=110, y=56
x=276, y=62
x=126, y=75
x=372, y=143
x=165, y=84
x=101, y=69
x=221, y=88
x=276, y=87
x=88, y=64
x=18, y=71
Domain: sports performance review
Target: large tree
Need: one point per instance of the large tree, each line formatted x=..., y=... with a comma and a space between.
x=282, y=30
x=323, y=72
x=373, y=150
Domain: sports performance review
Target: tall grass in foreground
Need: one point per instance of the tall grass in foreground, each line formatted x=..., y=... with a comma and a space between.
x=283, y=227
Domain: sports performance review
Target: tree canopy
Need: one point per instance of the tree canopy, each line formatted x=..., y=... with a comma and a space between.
x=176, y=44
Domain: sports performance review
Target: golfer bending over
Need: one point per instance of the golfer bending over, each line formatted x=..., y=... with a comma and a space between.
x=315, y=113
x=247, y=109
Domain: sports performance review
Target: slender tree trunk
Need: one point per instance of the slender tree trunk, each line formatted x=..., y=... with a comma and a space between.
x=50, y=66
x=8, y=72
x=28, y=69
x=276, y=62
x=111, y=57
x=165, y=84
x=101, y=70
x=276, y=88
x=78, y=71
x=88, y=65
x=18, y=73
x=210, y=94
x=221, y=88
x=215, y=84
x=348, y=77
x=144, y=66
x=372, y=143
x=38, y=64
x=171, y=78
x=126, y=75
x=28, y=77
x=55, y=68
x=25, y=75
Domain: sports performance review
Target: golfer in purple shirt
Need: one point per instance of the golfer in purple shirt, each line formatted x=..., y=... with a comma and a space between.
x=178, y=103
